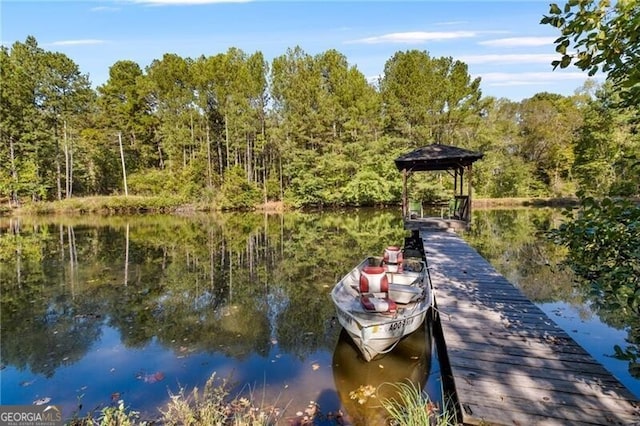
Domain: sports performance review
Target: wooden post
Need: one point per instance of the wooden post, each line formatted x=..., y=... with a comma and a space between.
x=455, y=182
x=469, y=190
x=404, y=193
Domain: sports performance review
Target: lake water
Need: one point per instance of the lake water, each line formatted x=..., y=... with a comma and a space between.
x=96, y=309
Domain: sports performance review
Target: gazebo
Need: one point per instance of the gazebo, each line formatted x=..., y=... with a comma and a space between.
x=437, y=157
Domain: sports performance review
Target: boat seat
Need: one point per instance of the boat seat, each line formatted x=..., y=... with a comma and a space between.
x=373, y=279
x=374, y=290
x=373, y=303
x=393, y=259
x=406, y=278
x=403, y=294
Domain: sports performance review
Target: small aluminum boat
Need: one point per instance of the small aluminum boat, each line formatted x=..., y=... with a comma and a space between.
x=382, y=300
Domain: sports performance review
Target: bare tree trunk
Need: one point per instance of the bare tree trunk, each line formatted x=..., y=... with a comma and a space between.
x=14, y=174
x=226, y=137
x=249, y=159
x=58, y=169
x=124, y=170
x=264, y=180
x=209, y=171
x=184, y=156
x=193, y=137
x=281, y=179
x=67, y=165
x=220, y=160
x=160, y=155
x=70, y=193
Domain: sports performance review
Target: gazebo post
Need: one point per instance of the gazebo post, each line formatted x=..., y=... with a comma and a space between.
x=461, y=208
x=455, y=182
x=469, y=190
x=404, y=193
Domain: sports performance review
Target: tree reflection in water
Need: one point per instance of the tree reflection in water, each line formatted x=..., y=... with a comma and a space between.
x=91, y=304
x=247, y=293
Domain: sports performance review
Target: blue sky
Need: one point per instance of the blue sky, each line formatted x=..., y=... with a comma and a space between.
x=501, y=41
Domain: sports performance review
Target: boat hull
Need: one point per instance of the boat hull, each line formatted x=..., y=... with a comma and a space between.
x=376, y=333
x=377, y=339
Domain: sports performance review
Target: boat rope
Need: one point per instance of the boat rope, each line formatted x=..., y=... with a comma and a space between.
x=439, y=311
x=389, y=349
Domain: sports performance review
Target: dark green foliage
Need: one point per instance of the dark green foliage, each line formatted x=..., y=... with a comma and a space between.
x=632, y=355
x=428, y=99
x=600, y=36
x=186, y=183
x=607, y=148
x=548, y=125
x=604, y=249
x=236, y=192
x=368, y=188
x=209, y=129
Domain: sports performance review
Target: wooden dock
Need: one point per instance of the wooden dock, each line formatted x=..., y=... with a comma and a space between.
x=508, y=362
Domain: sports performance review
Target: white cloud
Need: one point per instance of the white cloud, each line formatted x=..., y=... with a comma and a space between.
x=373, y=79
x=519, y=42
x=79, y=42
x=501, y=79
x=105, y=9
x=529, y=58
x=414, y=37
x=185, y=2
x=452, y=23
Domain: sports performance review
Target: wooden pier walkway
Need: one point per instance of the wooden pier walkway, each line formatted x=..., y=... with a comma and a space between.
x=510, y=363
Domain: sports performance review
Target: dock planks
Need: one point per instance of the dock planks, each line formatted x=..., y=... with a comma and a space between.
x=510, y=363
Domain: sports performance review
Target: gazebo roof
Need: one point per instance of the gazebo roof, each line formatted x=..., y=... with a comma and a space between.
x=437, y=157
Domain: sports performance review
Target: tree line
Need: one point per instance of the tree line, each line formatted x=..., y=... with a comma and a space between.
x=234, y=130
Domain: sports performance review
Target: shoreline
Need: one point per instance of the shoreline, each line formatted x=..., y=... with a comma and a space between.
x=525, y=202
x=161, y=205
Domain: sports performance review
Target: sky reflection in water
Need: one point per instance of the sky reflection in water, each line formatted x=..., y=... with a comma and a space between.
x=136, y=308
x=245, y=296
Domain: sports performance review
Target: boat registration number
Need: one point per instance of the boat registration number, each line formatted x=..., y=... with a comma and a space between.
x=400, y=324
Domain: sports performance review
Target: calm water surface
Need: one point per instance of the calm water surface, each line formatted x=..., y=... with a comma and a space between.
x=97, y=309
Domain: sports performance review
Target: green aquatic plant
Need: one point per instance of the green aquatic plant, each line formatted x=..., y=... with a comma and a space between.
x=119, y=415
x=412, y=407
x=214, y=406
x=113, y=415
